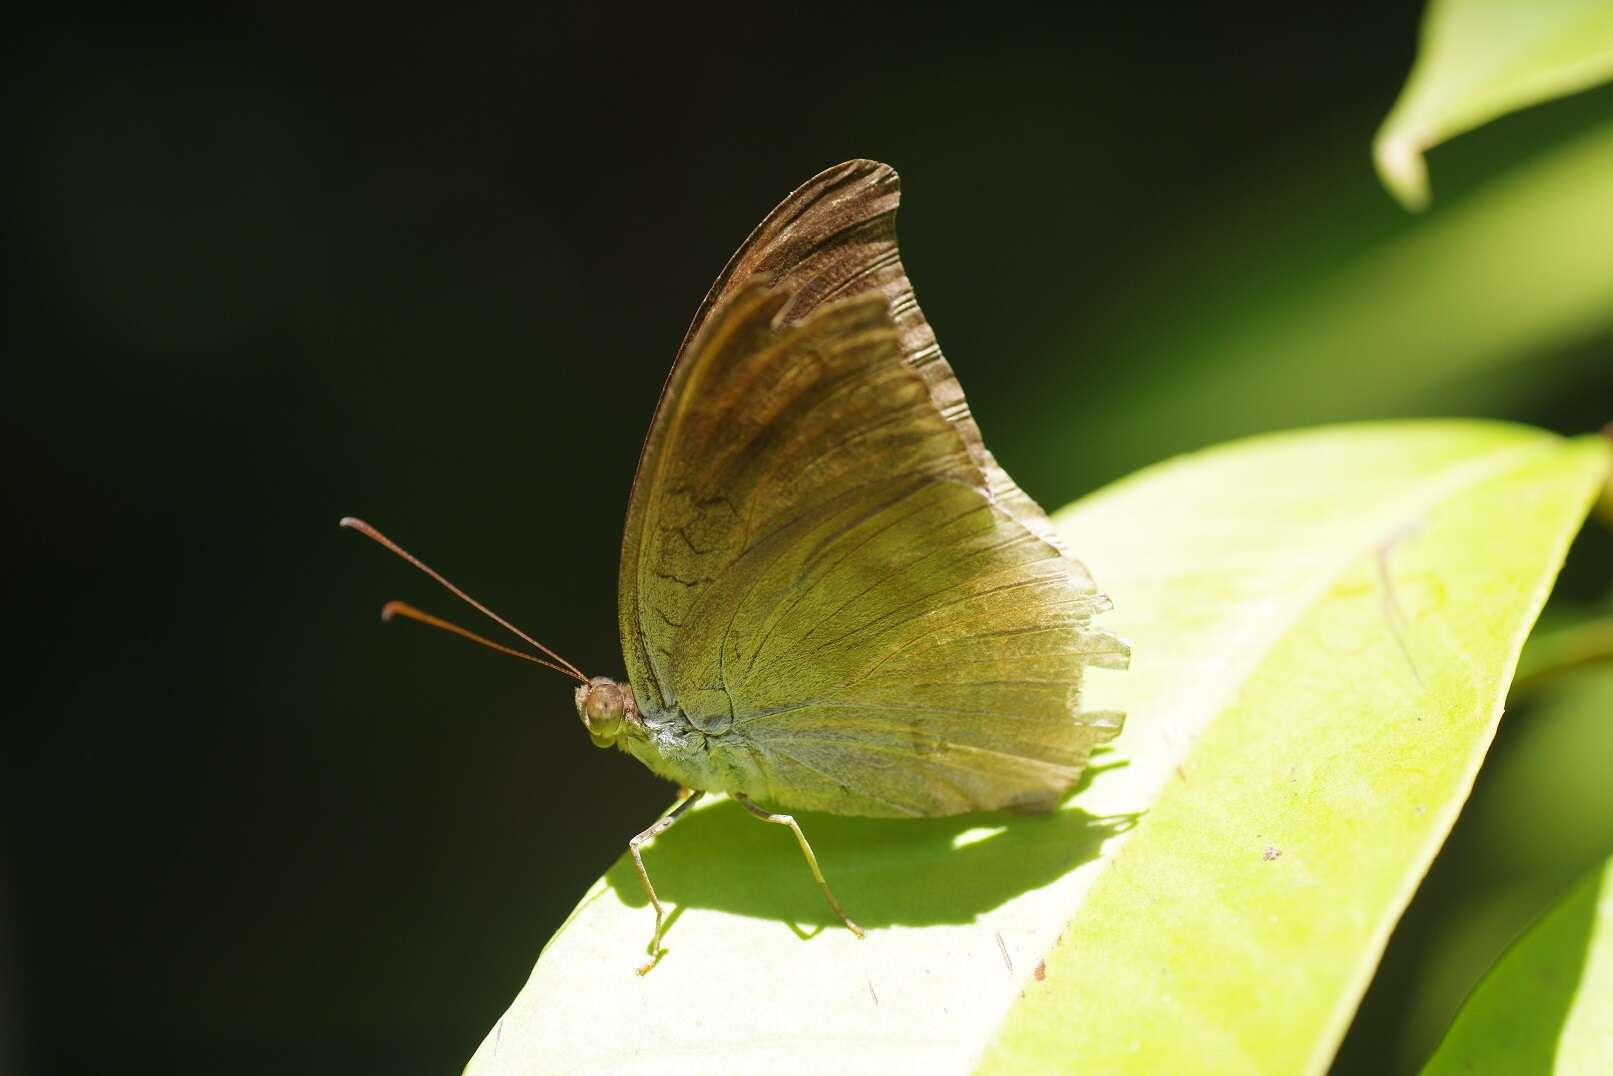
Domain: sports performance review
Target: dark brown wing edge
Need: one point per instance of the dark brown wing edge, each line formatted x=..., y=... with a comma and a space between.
x=834, y=237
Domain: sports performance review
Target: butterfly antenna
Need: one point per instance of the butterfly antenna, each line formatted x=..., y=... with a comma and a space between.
x=404, y=609
x=397, y=607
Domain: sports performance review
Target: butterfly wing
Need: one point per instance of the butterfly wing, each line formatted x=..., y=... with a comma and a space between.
x=826, y=592
x=835, y=237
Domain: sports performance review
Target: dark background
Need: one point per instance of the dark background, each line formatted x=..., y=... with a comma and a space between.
x=265, y=270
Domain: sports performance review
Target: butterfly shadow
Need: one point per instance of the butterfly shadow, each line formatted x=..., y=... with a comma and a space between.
x=885, y=871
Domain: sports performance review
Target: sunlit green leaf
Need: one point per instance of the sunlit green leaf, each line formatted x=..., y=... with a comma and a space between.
x=1479, y=59
x=1330, y=622
x=1547, y=1005
x=1323, y=626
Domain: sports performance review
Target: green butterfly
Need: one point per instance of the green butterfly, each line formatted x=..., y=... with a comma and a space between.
x=832, y=598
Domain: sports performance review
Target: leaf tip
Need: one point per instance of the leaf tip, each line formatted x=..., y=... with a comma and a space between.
x=1401, y=167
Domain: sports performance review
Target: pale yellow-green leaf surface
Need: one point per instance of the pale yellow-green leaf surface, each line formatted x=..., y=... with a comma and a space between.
x=1323, y=627
x=1547, y=1005
x=1328, y=624
x=1479, y=59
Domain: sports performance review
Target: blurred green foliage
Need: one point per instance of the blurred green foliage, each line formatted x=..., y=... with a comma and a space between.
x=1478, y=59
x=1543, y=1008
x=272, y=268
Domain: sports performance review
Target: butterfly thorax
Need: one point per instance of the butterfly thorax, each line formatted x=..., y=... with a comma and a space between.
x=669, y=743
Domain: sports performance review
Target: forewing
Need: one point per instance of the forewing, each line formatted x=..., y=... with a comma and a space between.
x=766, y=425
x=833, y=238
x=818, y=571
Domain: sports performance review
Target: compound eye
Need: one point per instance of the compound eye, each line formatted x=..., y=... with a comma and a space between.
x=603, y=711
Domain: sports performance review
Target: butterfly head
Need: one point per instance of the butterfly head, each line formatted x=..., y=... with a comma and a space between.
x=605, y=706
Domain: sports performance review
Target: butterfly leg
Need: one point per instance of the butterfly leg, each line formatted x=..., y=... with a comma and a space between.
x=806, y=850
x=661, y=825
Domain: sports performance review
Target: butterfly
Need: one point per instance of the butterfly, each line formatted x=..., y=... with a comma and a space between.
x=831, y=596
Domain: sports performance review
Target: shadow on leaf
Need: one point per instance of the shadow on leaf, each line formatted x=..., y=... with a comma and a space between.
x=885, y=871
